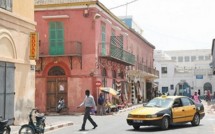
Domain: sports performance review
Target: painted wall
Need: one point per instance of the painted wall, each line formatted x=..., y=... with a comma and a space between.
x=24, y=9
x=87, y=30
x=142, y=49
x=14, y=47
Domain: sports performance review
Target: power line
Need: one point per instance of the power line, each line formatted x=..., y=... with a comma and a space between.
x=123, y=4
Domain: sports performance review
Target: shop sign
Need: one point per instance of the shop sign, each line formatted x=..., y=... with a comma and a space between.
x=34, y=44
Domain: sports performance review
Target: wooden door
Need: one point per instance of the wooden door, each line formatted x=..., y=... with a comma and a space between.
x=56, y=88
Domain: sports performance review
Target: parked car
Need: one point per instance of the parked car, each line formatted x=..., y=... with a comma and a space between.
x=165, y=111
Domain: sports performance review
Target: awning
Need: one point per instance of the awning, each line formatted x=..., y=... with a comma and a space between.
x=109, y=90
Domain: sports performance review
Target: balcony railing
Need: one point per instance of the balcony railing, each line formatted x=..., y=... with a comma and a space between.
x=144, y=68
x=44, y=2
x=70, y=48
x=111, y=51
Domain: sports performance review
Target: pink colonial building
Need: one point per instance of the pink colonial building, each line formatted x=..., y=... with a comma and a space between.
x=83, y=43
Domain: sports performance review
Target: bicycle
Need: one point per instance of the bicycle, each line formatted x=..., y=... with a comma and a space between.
x=32, y=127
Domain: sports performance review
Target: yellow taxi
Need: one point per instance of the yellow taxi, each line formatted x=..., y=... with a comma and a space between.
x=167, y=110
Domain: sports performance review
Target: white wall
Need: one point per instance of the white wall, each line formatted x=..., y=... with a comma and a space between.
x=183, y=71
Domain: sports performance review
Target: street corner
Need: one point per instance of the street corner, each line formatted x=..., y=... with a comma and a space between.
x=57, y=126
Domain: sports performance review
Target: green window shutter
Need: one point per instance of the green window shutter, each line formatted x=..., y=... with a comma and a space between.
x=103, y=39
x=56, y=38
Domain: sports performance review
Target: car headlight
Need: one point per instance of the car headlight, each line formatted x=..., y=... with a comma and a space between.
x=151, y=116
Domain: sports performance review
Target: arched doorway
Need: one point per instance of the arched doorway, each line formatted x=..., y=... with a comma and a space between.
x=208, y=86
x=56, y=88
x=183, y=88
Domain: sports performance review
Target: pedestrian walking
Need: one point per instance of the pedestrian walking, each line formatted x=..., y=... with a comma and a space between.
x=214, y=97
x=199, y=92
x=208, y=97
x=196, y=98
x=100, y=106
x=88, y=103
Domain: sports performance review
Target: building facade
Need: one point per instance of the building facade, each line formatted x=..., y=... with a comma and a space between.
x=212, y=64
x=183, y=72
x=17, y=73
x=82, y=43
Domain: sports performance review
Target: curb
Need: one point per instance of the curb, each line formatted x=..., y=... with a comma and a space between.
x=50, y=127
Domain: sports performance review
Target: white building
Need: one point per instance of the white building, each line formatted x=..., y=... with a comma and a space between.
x=183, y=72
x=213, y=56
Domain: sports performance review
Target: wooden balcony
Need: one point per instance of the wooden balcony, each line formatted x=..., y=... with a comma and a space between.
x=70, y=48
x=115, y=53
x=146, y=69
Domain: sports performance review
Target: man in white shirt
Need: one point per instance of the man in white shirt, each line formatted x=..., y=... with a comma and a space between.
x=89, y=103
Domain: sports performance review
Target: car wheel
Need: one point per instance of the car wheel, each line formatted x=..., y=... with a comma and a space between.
x=164, y=123
x=136, y=127
x=196, y=120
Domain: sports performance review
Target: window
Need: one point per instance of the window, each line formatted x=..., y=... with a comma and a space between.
x=6, y=4
x=103, y=28
x=104, y=72
x=193, y=58
x=172, y=87
x=186, y=58
x=186, y=102
x=173, y=58
x=177, y=102
x=113, y=37
x=56, y=71
x=201, y=58
x=164, y=70
x=113, y=32
x=180, y=59
x=207, y=58
x=114, y=74
x=121, y=75
x=164, y=89
x=103, y=32
x=121, y=40
x=56, y=38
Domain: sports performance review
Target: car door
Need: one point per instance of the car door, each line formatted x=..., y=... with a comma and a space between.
x=189, y=107
x=178, y=111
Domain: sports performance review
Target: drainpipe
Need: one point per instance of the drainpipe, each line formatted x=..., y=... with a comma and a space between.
x=4, y=93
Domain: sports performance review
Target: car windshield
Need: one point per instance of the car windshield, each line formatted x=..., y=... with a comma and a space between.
x=160, y=102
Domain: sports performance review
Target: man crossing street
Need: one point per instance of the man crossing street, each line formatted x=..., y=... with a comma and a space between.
x=89, y=103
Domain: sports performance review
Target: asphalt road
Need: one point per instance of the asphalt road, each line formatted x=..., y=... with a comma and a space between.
x=116, y=124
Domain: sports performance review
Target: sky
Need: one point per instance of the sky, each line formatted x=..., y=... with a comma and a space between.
x=171, y=24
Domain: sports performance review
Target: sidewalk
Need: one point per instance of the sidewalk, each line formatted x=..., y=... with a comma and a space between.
x=58, y=121
x=209, y=107
x=52, y=122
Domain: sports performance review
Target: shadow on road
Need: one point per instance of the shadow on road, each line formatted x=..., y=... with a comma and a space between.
x=156, y=129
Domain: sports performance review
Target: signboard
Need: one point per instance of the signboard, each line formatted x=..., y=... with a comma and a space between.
x=98, y=83
x=34, y=50
x=199, y=76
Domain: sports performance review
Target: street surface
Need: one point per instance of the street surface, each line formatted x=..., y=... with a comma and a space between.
x=116, y=124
